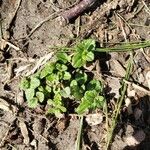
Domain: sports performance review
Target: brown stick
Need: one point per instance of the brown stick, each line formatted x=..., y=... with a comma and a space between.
x=78, y=9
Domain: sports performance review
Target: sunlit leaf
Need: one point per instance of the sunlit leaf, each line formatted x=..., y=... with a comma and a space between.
x=29, y=93
x=34, y=83
x=40, y=96
x=90, y=56
x=88, y=45
x=32, y=103
x=61, y=67
x=48, y=69
x=83, y=107
x=24, y=84
x=91, y=100
x=48, y=89
x=67, y=76
x=65, y=92
x=77, y=60
x=63, y=57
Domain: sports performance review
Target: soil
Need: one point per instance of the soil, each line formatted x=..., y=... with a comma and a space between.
x=107, y=22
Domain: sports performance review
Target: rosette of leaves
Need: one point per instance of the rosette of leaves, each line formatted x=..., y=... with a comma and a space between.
x=30, y=85
x=83, y=53
x=64, y=79
x=93, y=97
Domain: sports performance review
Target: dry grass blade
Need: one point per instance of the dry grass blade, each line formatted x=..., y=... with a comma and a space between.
x=4, y=105
x=138, y=87
x=24, y=132
x=119, y=103
x=79, y=136
x=4, y=43
x=40, y=63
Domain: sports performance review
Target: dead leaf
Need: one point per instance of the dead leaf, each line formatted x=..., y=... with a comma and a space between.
x=34, y=143
x=128, y=104
x=137, y=113
x=118, y=68
x=3, y=44
x=135, y=139
x=61, y=125
x=131, y=93
x=24, y=132
x=114, y=84
x=148, y=78
x=94, y=119
x=4, y=105
x=20, y=98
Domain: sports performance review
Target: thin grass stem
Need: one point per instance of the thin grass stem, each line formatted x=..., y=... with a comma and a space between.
x=79, y=136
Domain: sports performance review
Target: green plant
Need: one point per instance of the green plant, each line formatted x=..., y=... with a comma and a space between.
x=64, y=80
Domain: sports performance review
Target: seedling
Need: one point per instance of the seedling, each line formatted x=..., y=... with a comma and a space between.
x=64, y=80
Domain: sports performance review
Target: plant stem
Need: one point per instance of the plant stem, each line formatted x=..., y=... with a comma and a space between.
x=125, y=47
x=119, y=102
x=79, y=136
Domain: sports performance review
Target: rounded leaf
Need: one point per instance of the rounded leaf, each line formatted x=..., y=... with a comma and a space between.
x=48, y=88
x=48, y=69
x=81, y=77
x=24, y=84
x=95, y=85
x=63, y=57
x=40, y=96
x=34, y=83
x=32, y=103
x=78, y=61
x=65, y=92
x=67, y=76
x=90, y=56
x=29, y=93
x=61, y=67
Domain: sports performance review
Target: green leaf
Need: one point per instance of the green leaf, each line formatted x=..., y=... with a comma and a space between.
x=90, y=95
x=48, y=88
x=41, y=89
x=65, y=92
x=29, y=93
x=95, y=85
x=55, y=111
x=63, y=57
x=61, y=67
x=76, y=91
x=62, y=108
x=83, y=107
x=99, y=102
x=84, y=53
x=73, y=83
x=81, y=77
x=40, y=96
x=25, y=84
x=52, y=79
x=91, y=100
x=88, y=45
x=90, y=56
x=67, y=76
x=50, y=102
x=48, y=69
x=32, y=103
x=78, y=61
x=57, y=99
x=34, y=83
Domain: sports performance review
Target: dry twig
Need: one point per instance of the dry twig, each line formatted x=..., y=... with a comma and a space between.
x=78, y=9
